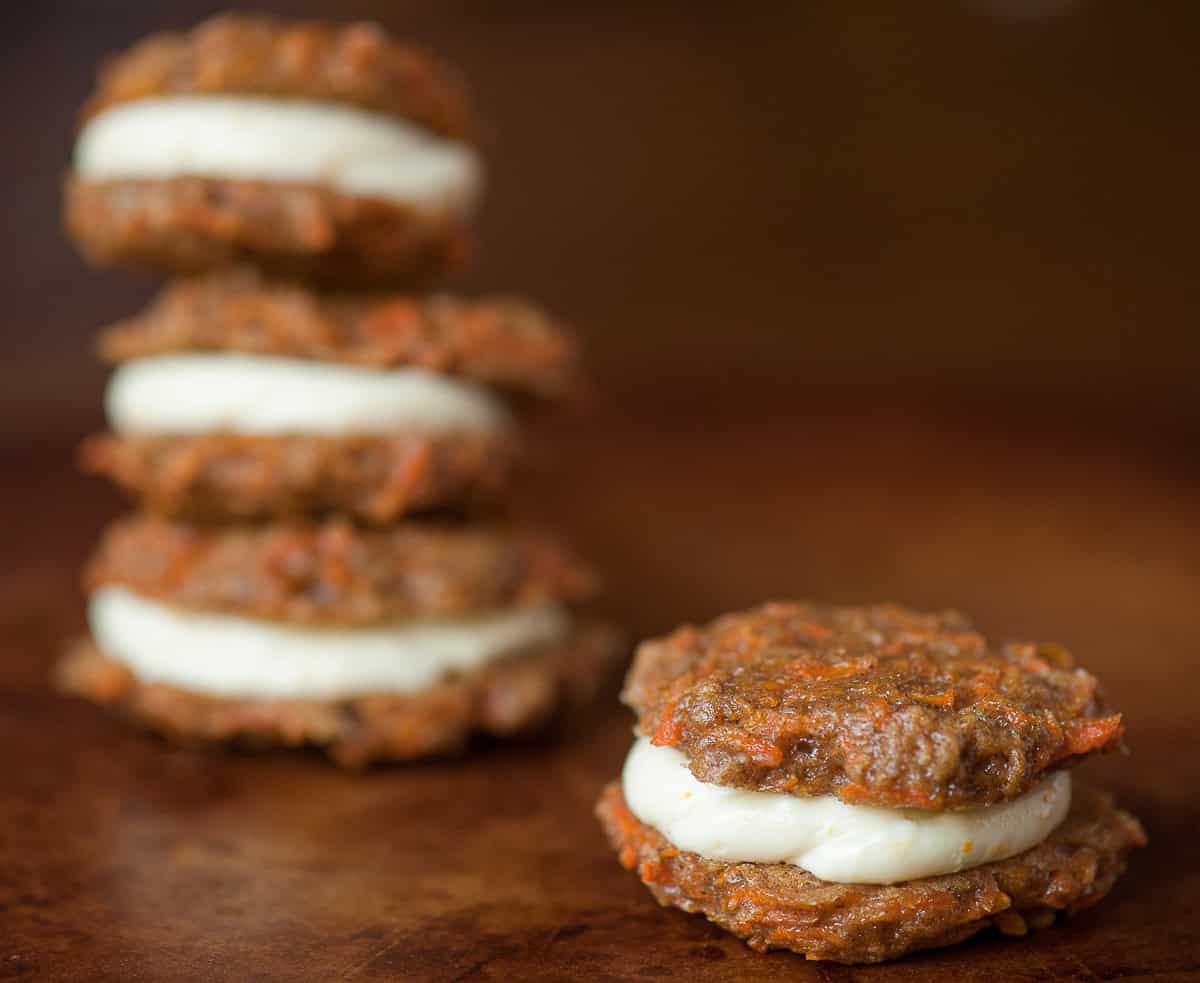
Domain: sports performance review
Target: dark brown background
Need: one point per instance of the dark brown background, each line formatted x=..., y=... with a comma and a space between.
x=985, y=193
x=883, y=301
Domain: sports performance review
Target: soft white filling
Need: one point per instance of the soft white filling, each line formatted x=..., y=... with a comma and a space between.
x=225, y=655
x=834, y=841
x=258, y=394
x=244, y=137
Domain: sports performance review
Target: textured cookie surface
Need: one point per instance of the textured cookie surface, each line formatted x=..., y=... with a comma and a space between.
x=335, y=573
x=356, y=64
x=243, y=476
x=503, y=342
x=191, y=224
x=878, y=705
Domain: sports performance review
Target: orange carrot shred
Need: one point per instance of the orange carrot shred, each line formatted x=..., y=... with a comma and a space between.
x=853, y=793
x=648, y=871
x=763, y=752
x=1084, y=736
x=667, y=733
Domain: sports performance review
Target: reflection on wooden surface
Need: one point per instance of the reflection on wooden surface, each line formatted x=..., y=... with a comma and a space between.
x=182, y=865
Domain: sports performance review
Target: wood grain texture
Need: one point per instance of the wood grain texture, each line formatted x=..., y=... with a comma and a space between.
x=124, y=859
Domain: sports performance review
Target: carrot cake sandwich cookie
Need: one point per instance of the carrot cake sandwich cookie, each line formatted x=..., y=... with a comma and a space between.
x=329, y=152
x=371, y=644
x=235, y=397
x=855, y=784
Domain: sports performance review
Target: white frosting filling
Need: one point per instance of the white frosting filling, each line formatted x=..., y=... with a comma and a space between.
x=244, y=137
x=225, y=655
x=834, y=841
x=258, y=394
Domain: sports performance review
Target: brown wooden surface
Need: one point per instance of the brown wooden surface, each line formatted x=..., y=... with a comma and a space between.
x=123, y=859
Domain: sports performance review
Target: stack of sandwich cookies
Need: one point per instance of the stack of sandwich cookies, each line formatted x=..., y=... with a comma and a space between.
x=855, y=784
x=318, y=559
x=330, y=153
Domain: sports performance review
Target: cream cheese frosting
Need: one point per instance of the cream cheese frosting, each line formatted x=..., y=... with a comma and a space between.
x=848, y=844
x=231, y=656
x=259, y=394
x=344, y=148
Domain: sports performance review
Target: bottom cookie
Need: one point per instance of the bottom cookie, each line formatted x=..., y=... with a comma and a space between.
x=374, y=478
x=515, y=696
x=783, y=906
x=301, y=231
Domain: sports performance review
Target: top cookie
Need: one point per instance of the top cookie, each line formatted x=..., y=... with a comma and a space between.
x=878, y=705
x=335, y=573
x=505, y=342
x=236, y=54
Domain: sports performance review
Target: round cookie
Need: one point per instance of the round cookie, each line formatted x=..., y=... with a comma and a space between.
x=328, y=152
x=878, y=705
x=333, y=573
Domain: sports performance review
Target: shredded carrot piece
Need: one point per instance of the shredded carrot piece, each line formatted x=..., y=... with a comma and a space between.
x=667, y=733
x=985, y=682
x=763, y=752
x=1084, y=736
x=853, y=793
x=812, y=669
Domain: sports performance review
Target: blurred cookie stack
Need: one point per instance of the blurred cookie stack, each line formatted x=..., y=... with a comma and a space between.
x=319, y=446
